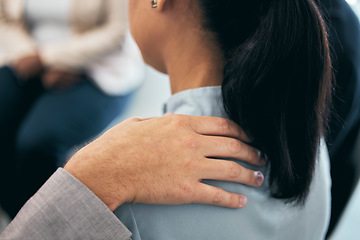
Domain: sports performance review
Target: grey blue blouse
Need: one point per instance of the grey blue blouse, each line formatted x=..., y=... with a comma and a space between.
x=263, y=218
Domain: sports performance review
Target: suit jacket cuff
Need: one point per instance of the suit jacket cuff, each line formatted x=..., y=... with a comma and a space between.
x=64, y=208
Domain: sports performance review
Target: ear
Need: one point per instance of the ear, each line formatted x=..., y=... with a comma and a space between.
x=160, y=4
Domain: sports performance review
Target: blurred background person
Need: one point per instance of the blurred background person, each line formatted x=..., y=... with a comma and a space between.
x=344, y=37
x=68, y=68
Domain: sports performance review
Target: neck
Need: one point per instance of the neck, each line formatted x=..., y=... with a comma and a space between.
x=196, y=63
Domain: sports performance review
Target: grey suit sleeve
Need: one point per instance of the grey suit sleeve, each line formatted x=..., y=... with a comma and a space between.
x=64, y=208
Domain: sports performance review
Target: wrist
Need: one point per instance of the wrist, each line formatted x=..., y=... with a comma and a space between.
x=99, y=181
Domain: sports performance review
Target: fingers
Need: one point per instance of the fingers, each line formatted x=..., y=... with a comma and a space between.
x=220, y=140
x=151, y=118
x=231, y=172
x=223, y=147
x=206, y=194
x=58, y=79
x=212, y=126
x=218, y=127
x=146, y=119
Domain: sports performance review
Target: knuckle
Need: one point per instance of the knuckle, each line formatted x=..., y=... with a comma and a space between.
x=235, y=170
x=187, y=164
x=178, y=120
x=203, y=195
x=224, y=124
x=233, y=201
x=187, y=190
x=134, y=119
x=191, y=142
x=219, y=196
x=235, y=146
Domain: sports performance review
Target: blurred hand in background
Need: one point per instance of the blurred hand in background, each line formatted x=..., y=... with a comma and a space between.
x=59, y=79
x=29, y=66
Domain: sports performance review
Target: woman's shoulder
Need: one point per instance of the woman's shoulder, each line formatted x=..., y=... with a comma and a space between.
x=263, y=218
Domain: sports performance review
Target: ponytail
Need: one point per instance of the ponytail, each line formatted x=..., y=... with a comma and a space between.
x=277, y=82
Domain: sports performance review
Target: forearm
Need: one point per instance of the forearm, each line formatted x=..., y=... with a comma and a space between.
x=86, y=47
x=15, y=42
x=64, y=208
x=79, y=51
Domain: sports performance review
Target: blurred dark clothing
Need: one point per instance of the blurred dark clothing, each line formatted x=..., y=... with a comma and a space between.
x=344, y=36
x=39, y=127
x=91, y=37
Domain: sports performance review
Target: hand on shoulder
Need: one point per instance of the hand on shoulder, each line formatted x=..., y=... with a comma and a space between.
x=163, y=161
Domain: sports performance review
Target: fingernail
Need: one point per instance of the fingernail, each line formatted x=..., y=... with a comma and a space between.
x=243, y=202
x=262, y=157
x=259, y=178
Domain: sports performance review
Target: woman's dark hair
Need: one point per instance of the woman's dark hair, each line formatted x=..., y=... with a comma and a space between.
x=277, y=82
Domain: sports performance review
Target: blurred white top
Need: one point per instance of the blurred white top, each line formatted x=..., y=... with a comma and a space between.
x=48, y=20
x=116, y=73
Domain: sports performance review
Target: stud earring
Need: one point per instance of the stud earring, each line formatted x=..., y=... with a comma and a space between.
x=154, y=3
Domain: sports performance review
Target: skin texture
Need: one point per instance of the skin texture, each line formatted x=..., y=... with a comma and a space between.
x=163, y=160
x=172, y=40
